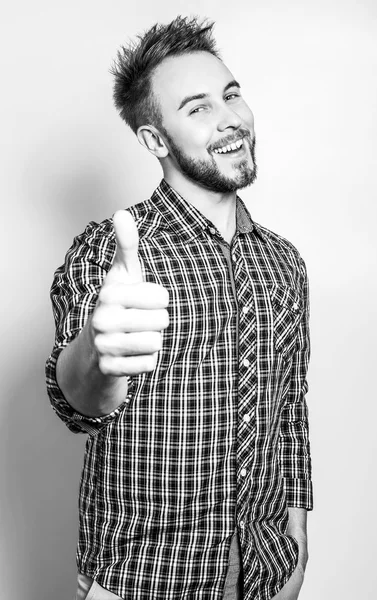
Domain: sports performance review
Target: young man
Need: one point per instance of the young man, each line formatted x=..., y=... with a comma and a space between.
x=182, y=349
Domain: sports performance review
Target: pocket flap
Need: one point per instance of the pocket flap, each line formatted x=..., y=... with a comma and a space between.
x=286, y=296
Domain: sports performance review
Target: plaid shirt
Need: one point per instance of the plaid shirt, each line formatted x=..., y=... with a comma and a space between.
x=216, y=437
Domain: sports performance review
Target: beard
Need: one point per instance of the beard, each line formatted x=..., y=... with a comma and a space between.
x=207, y=173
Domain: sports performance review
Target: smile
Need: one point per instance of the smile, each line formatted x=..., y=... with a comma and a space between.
x=229, y=148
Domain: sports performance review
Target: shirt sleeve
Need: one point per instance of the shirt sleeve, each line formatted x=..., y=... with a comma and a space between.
x=74, y=295
x=294, y=443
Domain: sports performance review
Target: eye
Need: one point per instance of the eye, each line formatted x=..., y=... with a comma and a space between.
x=197, y=110
x=232, y=95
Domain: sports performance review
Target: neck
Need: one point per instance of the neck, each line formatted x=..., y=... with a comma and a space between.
x=219, y=208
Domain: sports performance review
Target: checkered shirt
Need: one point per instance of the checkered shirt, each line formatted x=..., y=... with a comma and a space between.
x=216, y=437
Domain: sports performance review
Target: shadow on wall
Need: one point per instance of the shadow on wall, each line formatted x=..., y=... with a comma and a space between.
x=70, y=178
x=41, y=460
x=40, y=481
x=85, y=177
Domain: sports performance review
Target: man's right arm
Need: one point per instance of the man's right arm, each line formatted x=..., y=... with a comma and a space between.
x=123, y=335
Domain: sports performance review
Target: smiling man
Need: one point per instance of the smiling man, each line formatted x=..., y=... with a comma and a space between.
x=182, y=349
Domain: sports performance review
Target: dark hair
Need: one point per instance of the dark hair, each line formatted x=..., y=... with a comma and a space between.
x=136, y=62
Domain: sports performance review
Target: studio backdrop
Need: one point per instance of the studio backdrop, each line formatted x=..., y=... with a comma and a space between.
x=309, y=72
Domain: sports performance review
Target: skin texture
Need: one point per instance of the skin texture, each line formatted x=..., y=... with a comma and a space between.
x=208, y=173
x=123, y=335
x=220, y=116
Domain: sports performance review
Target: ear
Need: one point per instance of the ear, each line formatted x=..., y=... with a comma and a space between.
x=151, y=139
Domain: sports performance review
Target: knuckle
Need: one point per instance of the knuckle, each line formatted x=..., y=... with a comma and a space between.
x=158, y=294
x=165, y=319
x=150, y=362
x=98, y=343
x=97, y=320
x=164, y=296
x=106, y=319
x=154, y=342
x=158, y=342
x=105, y=294
x=104, y=365
x=100, y=322
x=112, y=365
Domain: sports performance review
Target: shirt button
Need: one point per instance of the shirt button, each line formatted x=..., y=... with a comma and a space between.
x=245, y=309
x=246, y=362
x=243, y=472
x=212, y=230
x=247, y=418
x=295, y=306
x=242, y=523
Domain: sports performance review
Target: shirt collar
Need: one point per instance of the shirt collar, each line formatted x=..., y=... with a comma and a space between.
x=188, y=221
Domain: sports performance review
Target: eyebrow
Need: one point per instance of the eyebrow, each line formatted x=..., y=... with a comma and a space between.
x=188, y=99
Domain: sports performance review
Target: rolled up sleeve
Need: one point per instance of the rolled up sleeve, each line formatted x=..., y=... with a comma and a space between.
x=295, y=459
x=74, y=294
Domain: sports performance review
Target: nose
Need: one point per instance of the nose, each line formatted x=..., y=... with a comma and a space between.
x=228, y=119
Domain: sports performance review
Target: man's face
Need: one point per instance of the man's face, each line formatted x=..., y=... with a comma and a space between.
x=206, y=124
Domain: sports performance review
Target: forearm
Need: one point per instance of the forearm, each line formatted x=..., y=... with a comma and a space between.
x=84, y=386
x=297, y=527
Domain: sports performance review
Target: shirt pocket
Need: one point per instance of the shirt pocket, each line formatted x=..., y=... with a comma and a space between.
x=287, y=311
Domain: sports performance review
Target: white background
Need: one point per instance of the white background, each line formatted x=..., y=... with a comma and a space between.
x=309, y=73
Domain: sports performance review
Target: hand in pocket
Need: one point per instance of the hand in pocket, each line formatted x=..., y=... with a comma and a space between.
x=293, y=586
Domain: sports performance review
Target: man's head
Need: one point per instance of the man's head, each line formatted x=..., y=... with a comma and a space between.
x=185, y=106
x=136, y=63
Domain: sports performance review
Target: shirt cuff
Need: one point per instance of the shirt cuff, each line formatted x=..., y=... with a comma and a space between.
x=75, y=421
x=299, y=493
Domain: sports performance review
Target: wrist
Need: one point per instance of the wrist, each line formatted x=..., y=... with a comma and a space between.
x=297, y=528
x=303, y=554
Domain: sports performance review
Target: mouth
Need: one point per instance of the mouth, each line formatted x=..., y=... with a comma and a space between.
x=233, y=149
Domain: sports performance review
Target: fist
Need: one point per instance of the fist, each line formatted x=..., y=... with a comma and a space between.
x=130, y=313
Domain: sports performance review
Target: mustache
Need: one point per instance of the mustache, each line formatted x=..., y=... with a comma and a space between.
x=225, y=141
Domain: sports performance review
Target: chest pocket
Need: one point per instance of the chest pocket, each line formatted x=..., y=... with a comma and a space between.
x=287, y=311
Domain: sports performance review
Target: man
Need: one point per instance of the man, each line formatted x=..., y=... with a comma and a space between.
x=182, y=350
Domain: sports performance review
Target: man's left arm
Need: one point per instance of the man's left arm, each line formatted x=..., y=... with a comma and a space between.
x=296, y=528
x=294, y=444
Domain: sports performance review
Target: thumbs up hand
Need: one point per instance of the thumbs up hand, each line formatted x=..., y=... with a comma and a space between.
x=130, y=313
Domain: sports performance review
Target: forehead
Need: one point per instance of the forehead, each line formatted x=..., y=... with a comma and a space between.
x=196, y=73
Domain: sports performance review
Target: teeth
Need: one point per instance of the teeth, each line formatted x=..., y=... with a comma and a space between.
x=229, y=147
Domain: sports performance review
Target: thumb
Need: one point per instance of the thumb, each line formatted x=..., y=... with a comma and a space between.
x=127, y=238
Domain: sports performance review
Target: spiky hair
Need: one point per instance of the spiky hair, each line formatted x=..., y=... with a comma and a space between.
x=136, y=62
